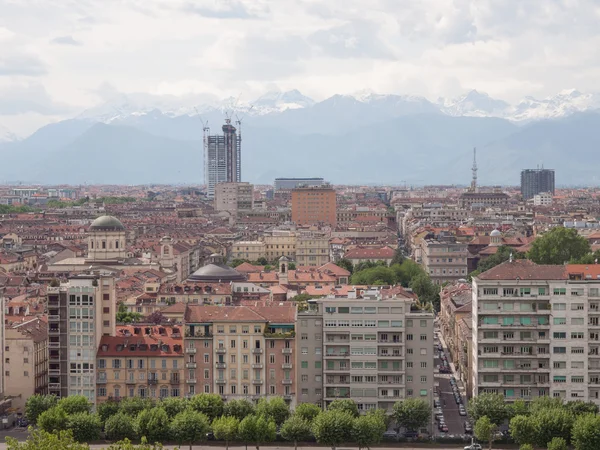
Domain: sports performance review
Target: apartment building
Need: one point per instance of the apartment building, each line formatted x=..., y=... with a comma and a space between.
x=312, y=250
x=536, y=331
x=240, y=351
x=445, y=260
x=234, y=198
x=250, y=250
x=280, y=243
x=80, y=312
x=314, y=205
x=376, y=348
x=144, y=360
x=25, y=361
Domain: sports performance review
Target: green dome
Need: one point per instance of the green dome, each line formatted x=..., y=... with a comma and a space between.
x=107, y=223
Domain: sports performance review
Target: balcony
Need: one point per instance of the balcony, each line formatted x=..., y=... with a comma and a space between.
x=53, y=385
x=221, y=350
x=286, y=366
x=188, y=381
x=152, y=380
x=53, y=331
x=344, y=355
x=287, y=397
x=286, y=351
x=257, y=351
x=387, y=355
x=190, y=365
x=131, y=382
x=101, y=380
x=258, y=381
x=53, y=344
x=175, y=381
x=220, y=365
x=257, y=366
x=54, y=372
x=190, y=350
x=221, y=381
x=286, y=382
x=53, y=317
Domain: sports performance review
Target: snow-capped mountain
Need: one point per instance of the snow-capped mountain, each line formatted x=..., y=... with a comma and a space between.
x=474, y=104
x=563, y=104
x=277, y=101
x=6, y=135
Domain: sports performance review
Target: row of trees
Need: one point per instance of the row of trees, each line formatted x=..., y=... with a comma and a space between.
x=190, y=420
x=545, y=422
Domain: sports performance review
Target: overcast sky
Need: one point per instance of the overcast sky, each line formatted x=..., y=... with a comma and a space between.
x=58, y=57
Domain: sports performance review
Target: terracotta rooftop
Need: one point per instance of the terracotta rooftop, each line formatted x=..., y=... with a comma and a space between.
x=208, y=313
x=523, y=269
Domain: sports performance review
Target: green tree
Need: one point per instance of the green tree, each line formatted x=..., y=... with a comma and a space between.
x=543, y=403
x=558, y=246
x=53, y=420
x=522, y=429
x=37, y=404
x=275, y=409
x=120, y=426
x=106, y=410
x=124, y=316
x=189, y=426
x=398, y=257
x=586, y=432
x=258, y=430
x=226, y=429
x=412, y=413
x=485, y=430
x=490, y=405
x=559, y=443
x=42, y=440
x=579, y=407
x=333, y=427
x=154, y=424
x=173, y=405
x=345, y=264
x=262, y=261
x=517, y=408
x=526, y=447
x=344, y=404
x=295, y=429
x=382, y=418
x=367, y=430
x=292, y=266
x=502, y=255
x=132, y=406
x=238, y=262
x=209, y=404
x=238, y=408
x=84, y=426
x=554, y=422
x=307, y=411
x=74, y=404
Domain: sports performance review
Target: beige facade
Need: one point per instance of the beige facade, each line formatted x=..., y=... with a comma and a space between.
x=234, y=198
x=26, y=361
x=312, y=250
x=250, y=250
x=444, y=261
x=280, y=243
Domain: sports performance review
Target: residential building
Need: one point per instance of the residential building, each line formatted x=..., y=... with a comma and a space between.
x=145, y=360
x=542, y=199
x=280, y=243
x=314, y=205
x=536, y=181
x=536, y=331
x=234, y=198
x=250, y=250
x=445, y=260
x=283, y=184
x=223, y=158
x=312, y=249
x=3, y=405
x=80, y=312
x=369, y=254
x=375, y=348
x=26, y=361
x=495, y=198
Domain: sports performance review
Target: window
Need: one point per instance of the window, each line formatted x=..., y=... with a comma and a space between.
x=409, y=337
x=559, y=350
x=577, y=321
x=304, y=364
x=559, y=306
x=490, y=364
x=577, y=379
x=559, y=320
x=423, y=337
x=560, y=291
x=560, y=379
x=423, y=364
x=577, y=350
x=577, y=307
x=559, y=335
x=577, y=335
x=423, y=379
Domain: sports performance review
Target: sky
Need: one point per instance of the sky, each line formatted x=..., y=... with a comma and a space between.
x=60, y=57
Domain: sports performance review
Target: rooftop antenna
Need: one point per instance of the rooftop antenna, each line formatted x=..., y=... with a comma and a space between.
x=474, y=170
x=205, y=133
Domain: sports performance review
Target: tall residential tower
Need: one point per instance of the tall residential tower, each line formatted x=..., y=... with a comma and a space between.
x=536, y=181
x=223, y=158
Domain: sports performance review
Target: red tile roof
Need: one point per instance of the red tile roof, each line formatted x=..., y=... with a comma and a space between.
x=370, y=253
x=523, y=269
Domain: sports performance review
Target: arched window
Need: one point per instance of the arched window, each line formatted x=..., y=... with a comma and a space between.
x=116, y=244
x=104, y=244
x=92, y=244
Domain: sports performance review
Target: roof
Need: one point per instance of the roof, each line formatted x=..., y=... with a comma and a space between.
x=107, y=223
x=246, y=267
x=523, y=269
x=161, y=341
x=588, y=271
x=370, y=253
x=216, y=272
x=209, y=313
x=335, y=269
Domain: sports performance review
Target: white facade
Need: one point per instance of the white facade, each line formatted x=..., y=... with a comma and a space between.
x=542, y=199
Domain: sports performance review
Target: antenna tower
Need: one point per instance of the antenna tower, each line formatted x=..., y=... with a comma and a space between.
x=474, y=170
x=205, y=133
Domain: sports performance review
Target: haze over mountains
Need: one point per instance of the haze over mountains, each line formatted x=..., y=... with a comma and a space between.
x=363, y=138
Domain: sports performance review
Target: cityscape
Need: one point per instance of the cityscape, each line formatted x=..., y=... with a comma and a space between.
x=192, y=246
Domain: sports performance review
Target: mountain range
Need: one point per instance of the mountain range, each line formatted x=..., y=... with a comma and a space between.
x=347, y=139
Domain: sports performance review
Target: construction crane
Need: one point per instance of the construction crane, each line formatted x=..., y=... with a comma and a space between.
x=205, y=133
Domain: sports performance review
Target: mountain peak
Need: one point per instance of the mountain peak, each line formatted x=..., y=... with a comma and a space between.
x=6, y=135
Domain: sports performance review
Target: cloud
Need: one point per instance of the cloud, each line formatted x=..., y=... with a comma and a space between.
x=28, y=98
x=352, y=40
x=65, y=40
x=232, y=9
x=21, y=64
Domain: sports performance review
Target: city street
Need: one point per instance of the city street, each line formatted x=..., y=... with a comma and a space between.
x=288, y=447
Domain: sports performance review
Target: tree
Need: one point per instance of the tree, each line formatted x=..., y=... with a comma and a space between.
x=543, y=403
x=173, y=405
x=53, y=420
x=412, y=413
x=132, y=406
x=558, y=246
x=522, y=429
x=107, y=409
x=579, y=407
x=226, y=429
x=292, y=266
x=490, y=405
x=42, y=440
x=518, y=408
x=153, y=424
x=156, y=318
x=258, y=430
x=189, y=426
x=74, y=404
x=124, y=316
x=398, y=257
x=238, y=262
x=526, y=447
x=344, y=404
x=126, y=444
x=485, y=430
x=120, y=426
x=84, y=426
x=553, y=422
x=37, y=404
x=502, y=255
x=295, y=429
x=275, y=409
x=586, y=432
x=307, y=411
x=238, y=408
x=210, y=405
x=345, y=264
x=367, y=430
x=425, y=289
x=559, y=443
x=333, y=427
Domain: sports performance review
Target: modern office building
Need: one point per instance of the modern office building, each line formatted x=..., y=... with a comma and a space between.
x=536, y=181
x=223, y=158
x=314, y=205
x=373, y=346
x=536, y=331
x=284, y=184
x=80, y=312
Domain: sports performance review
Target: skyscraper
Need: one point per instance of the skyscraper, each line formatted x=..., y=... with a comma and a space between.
x=223, y=158
x=536, y=181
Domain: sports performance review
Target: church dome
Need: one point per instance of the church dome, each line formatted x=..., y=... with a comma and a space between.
x=495, y=233
x=107, y=223
x=215, y=273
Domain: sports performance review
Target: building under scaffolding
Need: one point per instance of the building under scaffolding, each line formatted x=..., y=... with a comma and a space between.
x=223, y=158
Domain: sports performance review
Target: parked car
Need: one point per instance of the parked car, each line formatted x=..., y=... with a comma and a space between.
x=390, y=435
x=473, y=447
x=468, y=428
x=436, y=403
x=462, y=411
x=411, y=434
x=458, y=400
x=443, y=428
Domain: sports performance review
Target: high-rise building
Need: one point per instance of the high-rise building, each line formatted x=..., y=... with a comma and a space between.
x=314, y=205
x=80, y=312
x=223, y=158
x=536, y=181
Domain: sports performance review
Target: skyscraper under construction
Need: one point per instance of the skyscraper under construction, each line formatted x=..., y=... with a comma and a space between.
x=223, y=158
